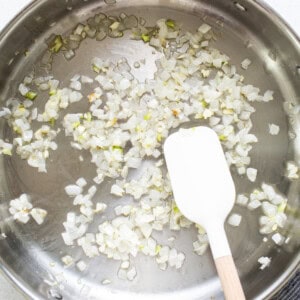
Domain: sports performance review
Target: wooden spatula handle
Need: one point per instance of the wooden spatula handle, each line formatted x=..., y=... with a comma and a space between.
x=229, y=278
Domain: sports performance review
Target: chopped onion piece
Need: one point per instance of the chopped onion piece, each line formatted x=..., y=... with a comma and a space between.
x=67, y=260
x=106, y=281
x=234, y=220
x=204, y=28
x=122, y=274
x=292, y=170
x=125, y=265
x=254, y=204
x=81, y=265
x=274, y=129
x=268, y=96
x=81, y=182
x=23, y=89
x=131, y=274
x=278, y=238
x=251, y=174
x=86, y=79
x=117, y=190
x=75, y=97
x=100, y=207
x=38, y=215
x=264, y=262
x=246, y=63
x=242, y=200
x=73, y=190
x=76, y=85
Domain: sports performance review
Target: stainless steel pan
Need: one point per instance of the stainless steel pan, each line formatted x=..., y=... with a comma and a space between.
x=30, y=255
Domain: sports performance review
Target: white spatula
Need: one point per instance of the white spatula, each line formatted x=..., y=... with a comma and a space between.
x=204, y=192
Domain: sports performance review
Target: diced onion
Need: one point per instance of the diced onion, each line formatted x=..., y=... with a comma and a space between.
x=274, y=129
x=234, y=220
x=264, y=262
x=251, y=174
x=73, y=190
x=81, y=265
x=246, y=63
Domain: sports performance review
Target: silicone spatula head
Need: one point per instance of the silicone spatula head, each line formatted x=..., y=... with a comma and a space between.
x=202, y=184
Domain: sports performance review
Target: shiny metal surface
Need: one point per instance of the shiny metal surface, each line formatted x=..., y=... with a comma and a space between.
x=30, y=254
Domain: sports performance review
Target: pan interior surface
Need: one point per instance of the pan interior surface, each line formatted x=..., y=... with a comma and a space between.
x=31, y=254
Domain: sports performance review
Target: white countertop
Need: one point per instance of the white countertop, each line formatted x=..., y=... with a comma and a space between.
x=288, y=9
